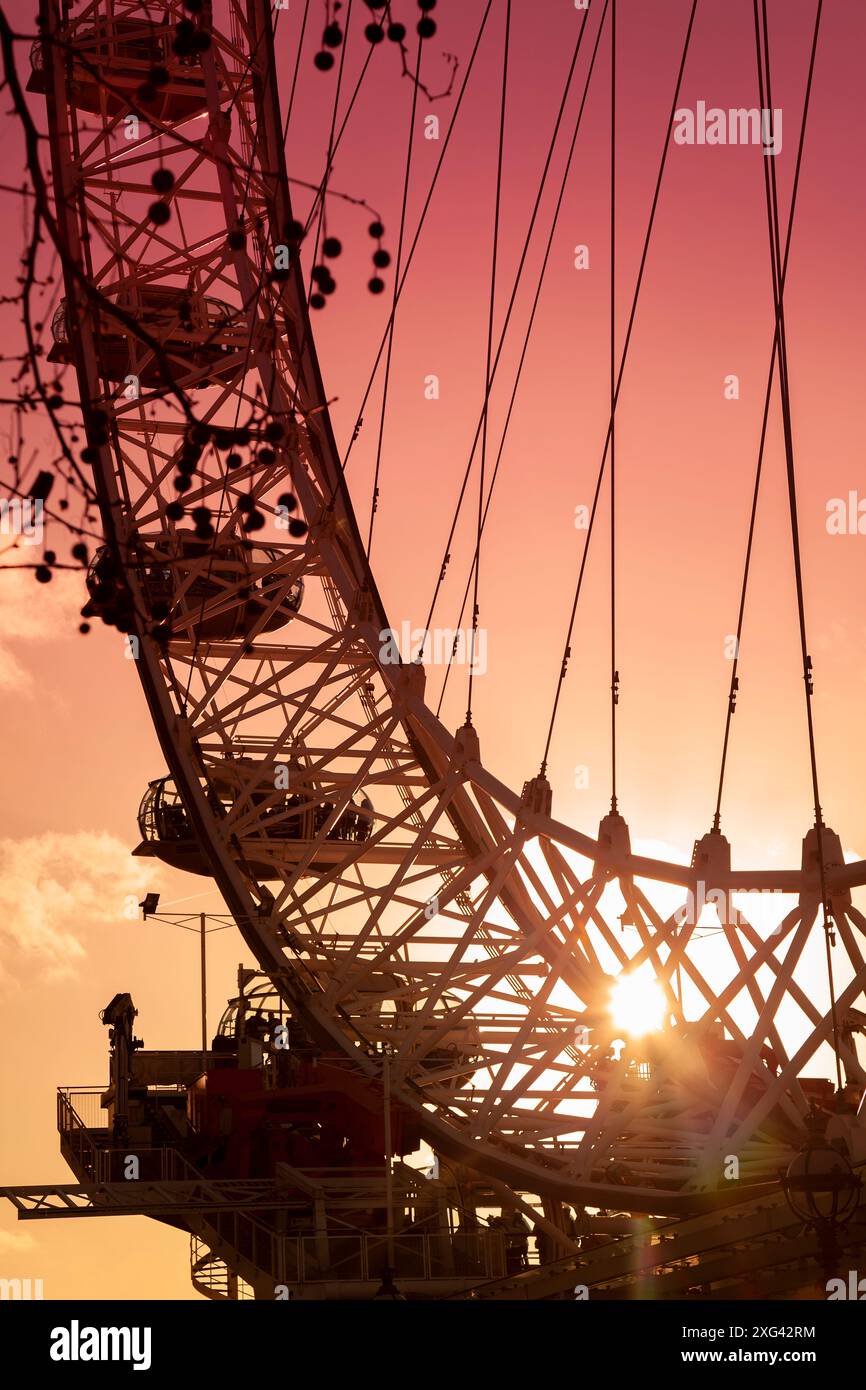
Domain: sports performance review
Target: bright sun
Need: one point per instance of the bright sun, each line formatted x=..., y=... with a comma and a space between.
x=637, y=1005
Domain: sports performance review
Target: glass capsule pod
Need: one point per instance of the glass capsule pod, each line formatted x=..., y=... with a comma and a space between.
x=113, y=62
x=194, y=332
x=281, y=823
x=204, y=590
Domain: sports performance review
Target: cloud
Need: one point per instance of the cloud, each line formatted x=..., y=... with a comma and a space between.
x=13, y=676
x=33, y=612
x=12, y=1240
x=52, y=884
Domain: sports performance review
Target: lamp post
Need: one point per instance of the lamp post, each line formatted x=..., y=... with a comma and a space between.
x=195, y=922
x=821, y=1188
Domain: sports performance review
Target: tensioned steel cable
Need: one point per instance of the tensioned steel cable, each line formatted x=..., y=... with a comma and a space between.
x=320, y=190
x=291, y=105
x=566, y=653
x=734, y=685
x=517, y=281
x=322, y=196
x=488, y=380
x=393, y=318
x=766, y=96
x=451, y=127
x=614, y=673
x=255, y=303
x=534, y=310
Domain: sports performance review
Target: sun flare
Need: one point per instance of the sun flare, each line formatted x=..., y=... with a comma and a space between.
x=637, y=1005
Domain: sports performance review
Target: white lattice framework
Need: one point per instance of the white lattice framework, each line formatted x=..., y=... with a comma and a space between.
x=469, y=934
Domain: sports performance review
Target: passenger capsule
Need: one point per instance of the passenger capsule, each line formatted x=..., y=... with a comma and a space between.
x=275, y=838
x=214, y=591
x=113, y=59
x=194, y=332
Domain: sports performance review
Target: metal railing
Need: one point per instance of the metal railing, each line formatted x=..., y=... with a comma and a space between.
x=152, y=1165
x=286, y=1259
x=84, y=1104
x=360, y=1256
x=78, y=1140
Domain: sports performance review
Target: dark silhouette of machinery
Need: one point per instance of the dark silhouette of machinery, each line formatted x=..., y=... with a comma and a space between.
x=276, y=1155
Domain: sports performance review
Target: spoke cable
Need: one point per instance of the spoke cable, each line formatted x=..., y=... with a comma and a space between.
x=734, y=685
x=762, y=40
x=488, y=379
x=374, y=504
x=517, y=281
x=566, y=651
x=421, y=221
x=614, y=673
x=532, y=315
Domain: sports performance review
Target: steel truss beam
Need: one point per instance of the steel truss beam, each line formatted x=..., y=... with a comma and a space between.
x=467, y=903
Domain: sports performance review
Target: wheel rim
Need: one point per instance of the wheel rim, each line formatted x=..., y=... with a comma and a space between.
x=469, y=941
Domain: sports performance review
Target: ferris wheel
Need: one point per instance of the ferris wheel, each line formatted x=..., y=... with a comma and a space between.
x=413, y=913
